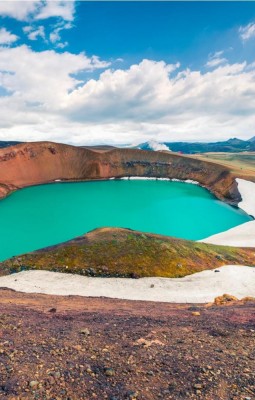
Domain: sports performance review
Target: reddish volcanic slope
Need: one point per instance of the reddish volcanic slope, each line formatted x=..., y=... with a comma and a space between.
x=36, y=163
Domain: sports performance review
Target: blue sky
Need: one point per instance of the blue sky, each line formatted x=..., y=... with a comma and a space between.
x=173, y=31
x=118, y=72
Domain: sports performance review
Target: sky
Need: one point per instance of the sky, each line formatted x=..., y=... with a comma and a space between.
x=126, y=72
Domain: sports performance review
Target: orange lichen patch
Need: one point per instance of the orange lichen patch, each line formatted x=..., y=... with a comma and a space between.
x=248, y=299
x=225, y=298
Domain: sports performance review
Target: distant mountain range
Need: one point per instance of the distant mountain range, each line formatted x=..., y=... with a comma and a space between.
x=7, y=143
x=233, y=145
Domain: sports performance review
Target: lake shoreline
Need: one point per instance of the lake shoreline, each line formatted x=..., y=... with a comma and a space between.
x=197, y=288
x=242, y=235
x=81, y=207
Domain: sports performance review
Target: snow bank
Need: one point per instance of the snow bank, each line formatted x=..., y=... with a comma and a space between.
x=202, y=287
x=241, y=235
x=143, y=178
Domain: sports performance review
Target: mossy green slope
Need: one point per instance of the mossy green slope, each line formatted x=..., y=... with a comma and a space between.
x=126, y=253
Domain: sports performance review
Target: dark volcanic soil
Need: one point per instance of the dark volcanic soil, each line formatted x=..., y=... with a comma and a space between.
x=55, y=348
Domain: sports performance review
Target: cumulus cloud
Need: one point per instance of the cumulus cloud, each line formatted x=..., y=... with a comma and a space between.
x=247, y=32
x=62, y=9
x=38, y=9
x=216, y=59
x=19, y=10
x=44, y=77
x=7, y=37
x=138, y=93
x=148, y=100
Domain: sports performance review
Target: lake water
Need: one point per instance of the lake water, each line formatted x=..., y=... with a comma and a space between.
x=40, y=216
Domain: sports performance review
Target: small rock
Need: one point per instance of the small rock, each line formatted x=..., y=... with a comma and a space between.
x=152, y=286
x=52, y=310
x=109, y=372
x=195, y=313
x=33, y=384
x=198, y=386
x=131, y=395
x=85, y=331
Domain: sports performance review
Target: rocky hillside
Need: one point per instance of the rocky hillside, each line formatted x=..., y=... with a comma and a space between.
x=35, y=163
x=126, y=253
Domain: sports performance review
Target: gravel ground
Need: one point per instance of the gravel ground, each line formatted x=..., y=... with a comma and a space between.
x=59, y=348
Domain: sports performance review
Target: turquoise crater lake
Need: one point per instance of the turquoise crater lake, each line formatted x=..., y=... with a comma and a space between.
x=44, y=215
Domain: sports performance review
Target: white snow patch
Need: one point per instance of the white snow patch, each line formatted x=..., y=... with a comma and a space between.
x=247, y=191
x=201, y=287
x=154, y=178
x=241, y=235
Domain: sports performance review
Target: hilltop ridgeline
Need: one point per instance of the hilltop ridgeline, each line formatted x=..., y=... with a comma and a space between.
x=43, y=162
x=117, y=252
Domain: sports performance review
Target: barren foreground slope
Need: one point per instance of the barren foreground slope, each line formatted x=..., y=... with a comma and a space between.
x=79, y=348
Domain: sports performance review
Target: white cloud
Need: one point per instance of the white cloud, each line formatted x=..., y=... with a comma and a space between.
x=216, y=59
x=62, y=9
x=43, y=77
x=217, y=54
x=247, y=32
x=55, y=36
x=19, y=10
x=35, y=33
x=7, y=37
x=61, y=45
x=215, y=62
x=148, y=101
x=38, y=9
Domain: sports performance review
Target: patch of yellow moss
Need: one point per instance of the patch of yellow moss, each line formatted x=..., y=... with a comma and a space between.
x=120, y=252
